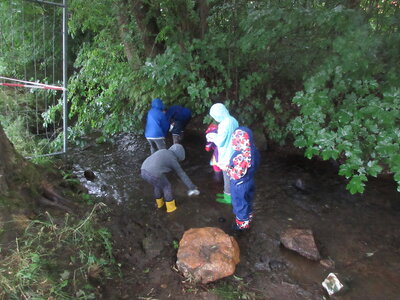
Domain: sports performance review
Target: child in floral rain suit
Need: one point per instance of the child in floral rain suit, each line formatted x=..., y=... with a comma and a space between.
x=243, y=164
x=211, y=147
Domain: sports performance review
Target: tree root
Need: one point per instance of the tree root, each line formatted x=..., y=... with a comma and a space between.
x=54, y=204
x=53, y=199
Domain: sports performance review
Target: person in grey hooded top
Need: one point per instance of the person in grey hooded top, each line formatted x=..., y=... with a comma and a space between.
x=155, y=167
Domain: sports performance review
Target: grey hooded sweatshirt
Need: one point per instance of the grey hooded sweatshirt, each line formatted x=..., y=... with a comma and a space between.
x=166, y=160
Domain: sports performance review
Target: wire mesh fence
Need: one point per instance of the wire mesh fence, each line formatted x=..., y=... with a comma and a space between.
x=33, y=75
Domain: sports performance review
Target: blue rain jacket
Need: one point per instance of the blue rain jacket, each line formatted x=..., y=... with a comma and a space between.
x=223, y=139
x=179, y=113
x=157, y=124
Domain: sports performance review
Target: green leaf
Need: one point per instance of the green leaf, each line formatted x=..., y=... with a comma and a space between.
x=373, y=168
x=356, y=184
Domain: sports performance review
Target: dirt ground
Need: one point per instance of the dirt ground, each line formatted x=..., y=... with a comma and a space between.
x=358, y=234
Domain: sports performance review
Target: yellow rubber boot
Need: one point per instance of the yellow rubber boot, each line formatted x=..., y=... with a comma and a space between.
x=160, y=202
x=170, y=206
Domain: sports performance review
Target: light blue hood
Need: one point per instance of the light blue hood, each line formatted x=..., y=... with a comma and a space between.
x=223, y=139
x=219, y=112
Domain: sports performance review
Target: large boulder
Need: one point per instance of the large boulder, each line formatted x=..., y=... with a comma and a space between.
x=207, y=254
x=301, y=241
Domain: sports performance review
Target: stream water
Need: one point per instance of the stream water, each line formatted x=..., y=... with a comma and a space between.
x=359, y=234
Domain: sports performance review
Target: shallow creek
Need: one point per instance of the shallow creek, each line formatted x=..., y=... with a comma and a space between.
x=359, y=234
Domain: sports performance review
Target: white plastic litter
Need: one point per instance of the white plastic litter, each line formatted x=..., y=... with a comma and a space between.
x=194, y=192
x=332, y=284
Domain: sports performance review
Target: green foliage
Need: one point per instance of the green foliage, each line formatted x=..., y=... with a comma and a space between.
x=175, y=244
x=99, y=92
x=101, y=89
x=21, y=124
x=323, y=74
x=89, y=17
x=348, y=111
x=30, y=49
x=30, y=40
x=178, y=75
x=34, y=269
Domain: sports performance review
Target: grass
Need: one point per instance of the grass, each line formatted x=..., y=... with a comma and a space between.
x=57, y=260
x=233, y=291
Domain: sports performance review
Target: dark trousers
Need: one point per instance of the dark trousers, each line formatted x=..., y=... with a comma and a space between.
x=179, y=126
x=242, y=198
x=162, y=187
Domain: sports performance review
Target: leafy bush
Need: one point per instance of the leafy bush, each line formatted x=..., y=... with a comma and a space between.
x=349, y=109
x=321, y=73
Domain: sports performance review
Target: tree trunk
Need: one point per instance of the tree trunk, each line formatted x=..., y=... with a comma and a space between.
x=124, y=20
x=24, y=182
x=202, y=10
x=10, y=160
x=146, y=20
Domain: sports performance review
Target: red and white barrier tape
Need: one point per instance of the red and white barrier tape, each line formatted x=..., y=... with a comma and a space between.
x=30, y=84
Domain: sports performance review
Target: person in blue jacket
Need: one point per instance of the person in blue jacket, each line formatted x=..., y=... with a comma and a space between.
x=242, y=166
x=223, y=140
x=157, y=126
x=179, y=117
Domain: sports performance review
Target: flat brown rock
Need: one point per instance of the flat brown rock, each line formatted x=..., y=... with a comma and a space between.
x=301, y=241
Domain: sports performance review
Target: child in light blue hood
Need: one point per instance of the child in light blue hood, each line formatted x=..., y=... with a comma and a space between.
x=223, y=140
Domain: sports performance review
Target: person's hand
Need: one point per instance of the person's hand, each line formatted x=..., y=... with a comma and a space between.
x=223, y=167
x=194, y=192
x=210, y=136
x=171, y=127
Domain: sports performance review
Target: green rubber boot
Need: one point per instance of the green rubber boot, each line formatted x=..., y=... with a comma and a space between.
x=226, y=199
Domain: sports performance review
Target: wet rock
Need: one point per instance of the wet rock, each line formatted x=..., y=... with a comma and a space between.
x=244, y=270
x=300, y=185
x=262, y=266
x=207, y=254
x=301, y=241
x=276, y=265
x=89, y=175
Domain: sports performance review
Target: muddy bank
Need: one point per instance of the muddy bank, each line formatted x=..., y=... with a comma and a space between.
x=357, y=233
